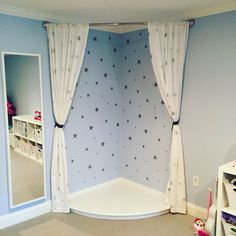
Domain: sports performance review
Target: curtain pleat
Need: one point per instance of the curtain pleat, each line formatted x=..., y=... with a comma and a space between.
x=67, y=43
x=168, y=42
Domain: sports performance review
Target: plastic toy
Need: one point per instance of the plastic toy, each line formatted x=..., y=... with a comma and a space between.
x=199, y=228
x=37, y=115
x=198, y=224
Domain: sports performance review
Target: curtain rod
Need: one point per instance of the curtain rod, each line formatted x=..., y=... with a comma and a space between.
x=191, y=23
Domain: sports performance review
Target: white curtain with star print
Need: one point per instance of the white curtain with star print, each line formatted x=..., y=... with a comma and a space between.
x=67, y=43
x=168, y=43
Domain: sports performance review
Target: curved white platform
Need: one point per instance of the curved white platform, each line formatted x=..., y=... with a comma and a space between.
x=119, y=199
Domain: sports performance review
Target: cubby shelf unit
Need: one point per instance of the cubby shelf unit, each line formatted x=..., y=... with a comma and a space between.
x=226, y=173
x=27, y=137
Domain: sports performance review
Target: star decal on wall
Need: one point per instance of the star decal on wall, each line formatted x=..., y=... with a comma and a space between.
x=75, y=135
x=135, y=113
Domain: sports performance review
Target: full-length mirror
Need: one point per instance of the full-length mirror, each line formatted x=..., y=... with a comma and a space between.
x=24, y=122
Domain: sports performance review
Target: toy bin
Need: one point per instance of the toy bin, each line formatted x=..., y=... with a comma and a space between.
x=230, y=188
x=229, y=223
x=229, y=229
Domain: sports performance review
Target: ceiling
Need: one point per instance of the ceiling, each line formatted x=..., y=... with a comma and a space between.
x=93, y=11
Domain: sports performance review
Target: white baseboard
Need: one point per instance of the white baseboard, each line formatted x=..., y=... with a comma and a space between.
x=196, y=211
x=25, y=214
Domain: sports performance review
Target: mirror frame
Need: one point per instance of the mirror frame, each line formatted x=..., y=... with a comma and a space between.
x=10, y=197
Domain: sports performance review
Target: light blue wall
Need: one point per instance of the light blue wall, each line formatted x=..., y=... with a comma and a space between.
x=89, y=160
x=146, y=124
x=117, y=56
x=23, y=83
x=209, y=101
x=26, y=36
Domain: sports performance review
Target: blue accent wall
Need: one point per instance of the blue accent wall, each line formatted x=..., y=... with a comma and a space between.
x=93, y=130
x=146, y=129
x=117, y=124
x=26, y=36
x=209, y=100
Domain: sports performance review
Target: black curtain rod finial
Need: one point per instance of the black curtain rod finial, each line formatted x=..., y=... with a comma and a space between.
x=191, y=22
x=44, y=23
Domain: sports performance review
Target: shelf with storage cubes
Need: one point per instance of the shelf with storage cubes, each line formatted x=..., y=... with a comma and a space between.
x=226, y=202
x=27, y=137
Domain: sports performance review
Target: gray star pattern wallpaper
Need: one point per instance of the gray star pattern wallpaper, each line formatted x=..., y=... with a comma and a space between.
x=118, y=125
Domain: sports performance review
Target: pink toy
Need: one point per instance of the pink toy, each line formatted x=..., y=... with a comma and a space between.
x=38, y=116
x=198, y=224
x=203, y=233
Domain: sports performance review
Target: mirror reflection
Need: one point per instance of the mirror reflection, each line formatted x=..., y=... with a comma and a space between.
x=25, y=133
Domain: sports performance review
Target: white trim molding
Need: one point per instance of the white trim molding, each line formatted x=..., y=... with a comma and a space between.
x=196, y=211
x=24, y=215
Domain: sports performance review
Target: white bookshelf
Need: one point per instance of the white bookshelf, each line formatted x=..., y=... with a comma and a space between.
x=27, y=137
x=226, y=172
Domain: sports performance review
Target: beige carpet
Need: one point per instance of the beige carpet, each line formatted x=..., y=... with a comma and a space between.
x=53, y=228
x=166, y=225
x=27, y=178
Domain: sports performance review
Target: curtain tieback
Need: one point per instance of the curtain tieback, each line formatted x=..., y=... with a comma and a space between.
x=175, y=123
x=58, y=125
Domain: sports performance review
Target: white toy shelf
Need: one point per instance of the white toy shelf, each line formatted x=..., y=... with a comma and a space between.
x=27, y=137
x=226, y=203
